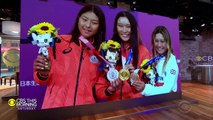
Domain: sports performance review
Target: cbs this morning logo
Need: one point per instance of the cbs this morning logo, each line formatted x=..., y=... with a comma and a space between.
x=23, y=103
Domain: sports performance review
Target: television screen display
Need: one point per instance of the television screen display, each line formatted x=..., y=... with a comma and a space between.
x=79, y=72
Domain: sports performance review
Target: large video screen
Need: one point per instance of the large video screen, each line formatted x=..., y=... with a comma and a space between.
x=142, y=56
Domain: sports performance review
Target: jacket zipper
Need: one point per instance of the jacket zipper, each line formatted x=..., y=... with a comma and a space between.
x=77, y=78
x=51, y=88
x=121, y=91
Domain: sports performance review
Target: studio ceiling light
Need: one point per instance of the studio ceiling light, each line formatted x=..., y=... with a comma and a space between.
x=11, y=28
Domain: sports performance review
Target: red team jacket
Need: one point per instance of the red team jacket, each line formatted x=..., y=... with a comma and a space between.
x=61, y=83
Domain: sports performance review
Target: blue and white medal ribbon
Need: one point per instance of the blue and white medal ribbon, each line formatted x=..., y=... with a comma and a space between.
x=124, y=73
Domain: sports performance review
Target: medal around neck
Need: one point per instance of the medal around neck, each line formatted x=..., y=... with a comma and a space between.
x=42, y=35
x=134, y=77
x=124, y=74
x=112, y=74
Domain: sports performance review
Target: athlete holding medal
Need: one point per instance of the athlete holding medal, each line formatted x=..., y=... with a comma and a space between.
x=133, y=52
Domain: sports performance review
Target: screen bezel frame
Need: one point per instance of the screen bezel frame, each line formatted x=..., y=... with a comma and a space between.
x=81, y=110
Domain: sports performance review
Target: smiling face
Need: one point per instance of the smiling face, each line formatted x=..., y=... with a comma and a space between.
x=41, y=40
x=124, y=28
x=88, y=24
x=160, y=44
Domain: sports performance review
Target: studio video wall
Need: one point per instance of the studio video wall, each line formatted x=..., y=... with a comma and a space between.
x=74, y=54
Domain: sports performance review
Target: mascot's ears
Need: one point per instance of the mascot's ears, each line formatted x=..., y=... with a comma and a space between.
x=41, y=38
x=34, y=37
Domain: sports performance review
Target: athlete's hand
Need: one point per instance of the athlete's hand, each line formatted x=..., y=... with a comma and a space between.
x=40, y=63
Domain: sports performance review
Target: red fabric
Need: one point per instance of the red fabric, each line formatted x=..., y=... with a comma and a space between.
x=127, y=91
x=61, y=82
x=159, y=84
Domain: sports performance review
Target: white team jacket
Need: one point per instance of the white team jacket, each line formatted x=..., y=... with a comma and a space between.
x=168, y=78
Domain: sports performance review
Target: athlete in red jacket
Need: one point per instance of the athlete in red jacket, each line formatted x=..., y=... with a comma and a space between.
x=64, y=73
x=73, y=64
x=126, y=33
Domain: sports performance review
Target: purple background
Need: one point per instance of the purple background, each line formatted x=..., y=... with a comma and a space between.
x=62, y=14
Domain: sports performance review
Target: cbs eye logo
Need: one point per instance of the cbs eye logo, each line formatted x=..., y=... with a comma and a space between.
x=11, y=102
x=184, y=107
x=199, y=58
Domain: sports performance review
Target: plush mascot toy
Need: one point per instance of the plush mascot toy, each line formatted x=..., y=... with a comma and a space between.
x=149, y=75
x=149, y=70
x=152, y=77
x=44, y=35
x=110, y=51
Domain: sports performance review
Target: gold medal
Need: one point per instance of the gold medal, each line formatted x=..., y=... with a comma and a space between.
x=124, y=74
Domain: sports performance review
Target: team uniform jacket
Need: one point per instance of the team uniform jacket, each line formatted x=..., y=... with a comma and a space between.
x=127, y=91
x=61, y=83
x=166, y=81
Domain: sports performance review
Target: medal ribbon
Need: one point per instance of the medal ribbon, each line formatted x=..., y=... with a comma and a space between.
x=86, y=42
x=124, y=73
x=153, y=60
x=129, y=58
x=89, y=45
